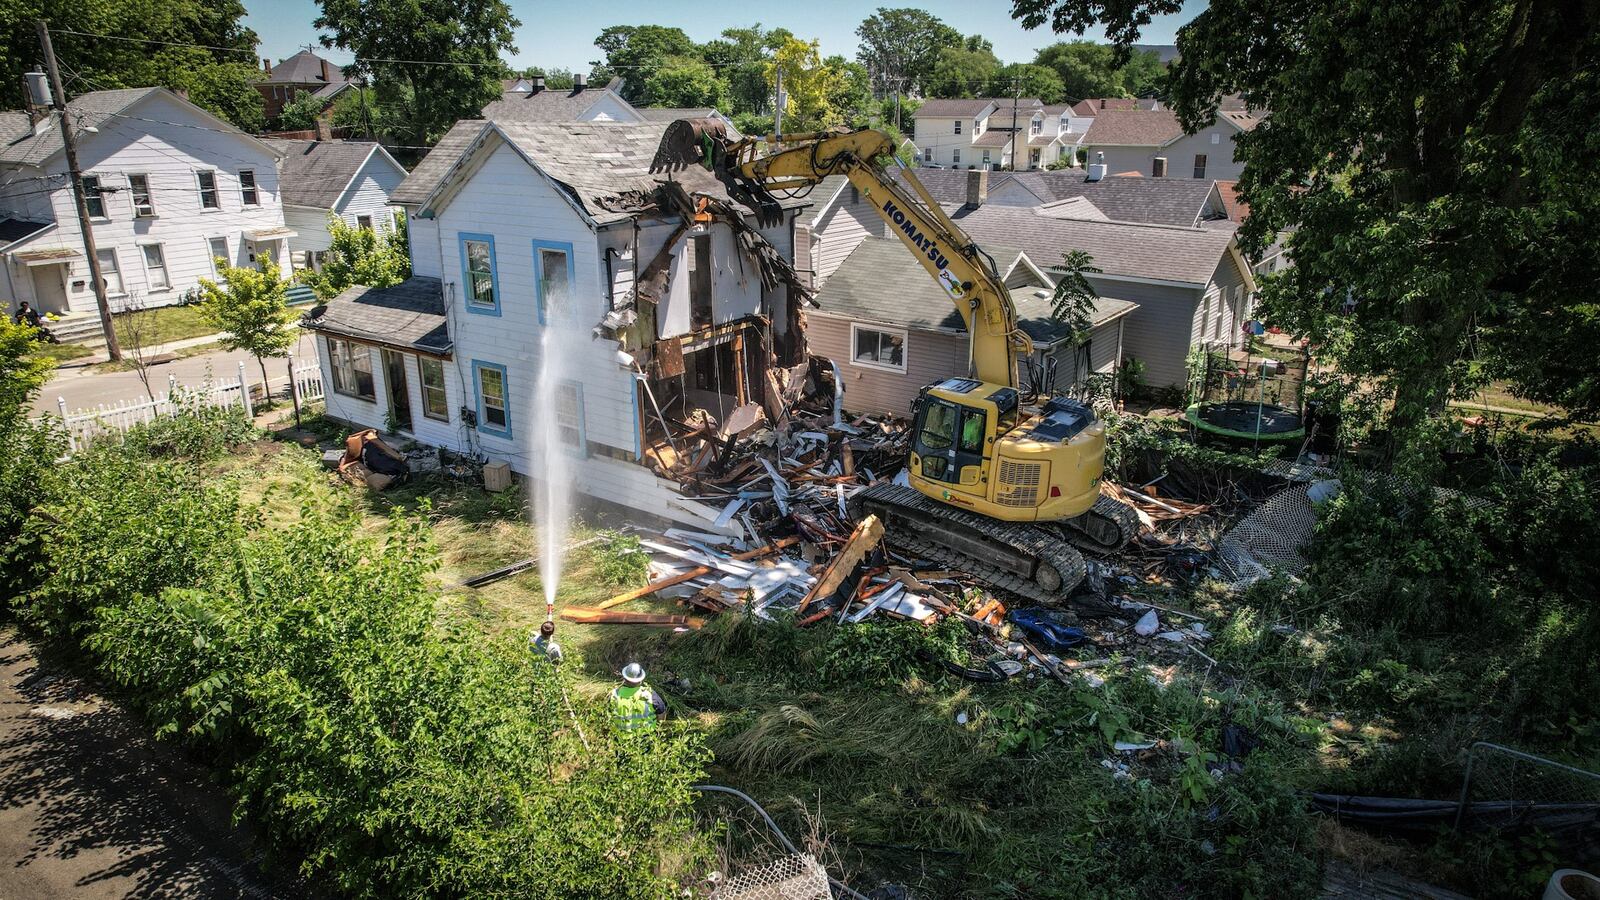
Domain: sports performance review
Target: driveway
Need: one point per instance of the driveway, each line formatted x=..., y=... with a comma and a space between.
x=90, y=807
x=82, y=388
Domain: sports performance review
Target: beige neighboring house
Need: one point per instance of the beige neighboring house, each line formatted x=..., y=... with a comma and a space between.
x=891, y=329
x=1152, y=143
x=972, y=133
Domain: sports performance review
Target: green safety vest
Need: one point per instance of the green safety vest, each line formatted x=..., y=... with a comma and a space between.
x=635, y=705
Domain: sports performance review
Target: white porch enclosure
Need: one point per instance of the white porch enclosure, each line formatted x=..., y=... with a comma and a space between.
x=84, y=425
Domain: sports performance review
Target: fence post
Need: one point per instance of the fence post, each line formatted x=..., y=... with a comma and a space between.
x=72, y=440
x=294, y=390
x=244, y=393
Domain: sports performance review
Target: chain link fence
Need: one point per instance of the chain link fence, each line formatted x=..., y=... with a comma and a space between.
x=1509, y=790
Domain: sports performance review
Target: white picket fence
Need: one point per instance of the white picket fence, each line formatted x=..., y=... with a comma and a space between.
x=84, y=425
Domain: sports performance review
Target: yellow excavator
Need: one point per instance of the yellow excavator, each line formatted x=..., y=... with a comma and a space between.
x=1003, y=482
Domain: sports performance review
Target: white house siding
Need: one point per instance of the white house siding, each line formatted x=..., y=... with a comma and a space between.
x=310, y=225
x=1215, y=142
x=939, y=136
x=1222, y=308
x=367, y=195
x=1158, y=333
x=1122, y=160
x=840, y=229
x=930, y=356
x=167, y=141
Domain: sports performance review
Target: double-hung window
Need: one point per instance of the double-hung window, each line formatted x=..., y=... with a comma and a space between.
x=958, y=126
x=92, y=197
x=878, y=348
x=955, y=157
x=110, y=272
x=352, y=369
x=927, y=154
x=206, y=180
x=144, y=204
x=569, y=416
x=155, y=267
x=1199, y=165
x=480, y=284
x=553, y=276
x=217, y=249
x=249, y=195
x=494, y=410
x=435, y=402
x=364, y=222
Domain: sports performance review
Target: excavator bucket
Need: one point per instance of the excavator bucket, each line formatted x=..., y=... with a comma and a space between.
x=690, y=142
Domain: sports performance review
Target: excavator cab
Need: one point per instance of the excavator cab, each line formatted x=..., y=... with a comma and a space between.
x=956, y=424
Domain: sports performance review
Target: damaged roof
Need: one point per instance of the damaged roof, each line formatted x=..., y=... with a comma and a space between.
x=603, y=167
x=1143, y=251
x=881, y=282
x=409, y=315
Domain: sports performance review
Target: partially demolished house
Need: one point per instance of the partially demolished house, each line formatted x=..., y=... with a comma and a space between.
x=673, y=307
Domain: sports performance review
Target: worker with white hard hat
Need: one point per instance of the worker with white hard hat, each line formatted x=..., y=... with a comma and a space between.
x=637, y=706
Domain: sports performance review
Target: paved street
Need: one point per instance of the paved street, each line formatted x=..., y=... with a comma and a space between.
x=90, y=807
x=82, y=388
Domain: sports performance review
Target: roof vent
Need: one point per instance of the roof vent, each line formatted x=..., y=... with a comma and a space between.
x=580, y=81
x=1097, y=170
x=38, y=88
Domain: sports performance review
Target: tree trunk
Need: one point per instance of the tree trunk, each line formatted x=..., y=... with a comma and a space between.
x=266, y=389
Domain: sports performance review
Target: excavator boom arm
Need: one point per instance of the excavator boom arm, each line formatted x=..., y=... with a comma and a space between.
x=960, y=268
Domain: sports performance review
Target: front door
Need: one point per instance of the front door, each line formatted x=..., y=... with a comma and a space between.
x=50, y=288
x=394, y=375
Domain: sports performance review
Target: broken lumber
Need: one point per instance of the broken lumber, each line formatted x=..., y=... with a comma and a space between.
x=694, y=573
x=589, y=616
x=866, y=535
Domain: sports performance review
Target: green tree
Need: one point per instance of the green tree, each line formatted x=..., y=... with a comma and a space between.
x=963, y=71
x=1436, y=192
x=1087, y=69
x=1073, y=302
x=1033, y=81
x=301, y=113
x=251, y=308
x=1144, y=74
x=200, y=46
x=360, y=256
x=26, y=450
x=684, y=81
x=900, y=47
x=635, y=51
x=555, y=79
x=471, y=34
x=740, y=56
x=853, y=95
x=810, y=84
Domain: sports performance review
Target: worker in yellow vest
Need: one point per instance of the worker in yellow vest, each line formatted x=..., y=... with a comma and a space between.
x=637, y=706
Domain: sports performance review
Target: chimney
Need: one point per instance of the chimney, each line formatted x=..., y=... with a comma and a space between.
x=1097, y=170
x=977, y=187
x=327, y=70
x=538, y=83
x=324, y=131
x=266, y=65
x=580, y=81
x=36, y=89
x=1102, y=103
x=1158, y=167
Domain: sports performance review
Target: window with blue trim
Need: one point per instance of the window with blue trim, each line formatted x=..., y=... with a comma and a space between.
x=569, y=417
x=494, y=408
x=553, y=277
x=480, y=283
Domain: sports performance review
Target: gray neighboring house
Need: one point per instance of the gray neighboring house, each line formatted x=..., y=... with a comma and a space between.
x=1192, y=285
x=1125, y=198
x=891, y=329
x=1151, y=142
x=349, y=179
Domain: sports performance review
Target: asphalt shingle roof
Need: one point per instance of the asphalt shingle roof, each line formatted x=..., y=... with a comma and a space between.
x=410, y=315
x=91, y=109
x=315, y=173
x=1154, y=252
x=820, y=195
x=949, y=109
x=994, y=137
x=545, y=106
x=881, y=282
x=1163, y=201
x=304, y=67
x=1133, y=128
x=673, y=113
x=430, y=172
x=13, y=230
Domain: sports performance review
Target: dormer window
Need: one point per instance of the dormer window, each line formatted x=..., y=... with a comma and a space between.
x=1036, y=126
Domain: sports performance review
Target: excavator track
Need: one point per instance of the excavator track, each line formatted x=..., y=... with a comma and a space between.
x=1105, y=528
x=1045, y=569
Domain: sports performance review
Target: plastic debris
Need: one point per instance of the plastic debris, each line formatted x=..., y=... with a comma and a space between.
x=1147, y=624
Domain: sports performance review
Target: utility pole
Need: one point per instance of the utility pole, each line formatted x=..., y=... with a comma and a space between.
x=1016, y=98
x=777, y=110
x=361, y=92
x=59, y=95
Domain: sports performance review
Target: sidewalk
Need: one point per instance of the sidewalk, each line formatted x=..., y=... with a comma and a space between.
x=99, y=356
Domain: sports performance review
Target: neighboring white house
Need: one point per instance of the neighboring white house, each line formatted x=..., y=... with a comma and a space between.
x=972, y=133
x=1150, y=142
x=518, y=229
x=171, y=186
x=349, y=179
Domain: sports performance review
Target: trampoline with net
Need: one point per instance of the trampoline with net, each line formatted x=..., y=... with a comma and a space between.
x=1239, y=398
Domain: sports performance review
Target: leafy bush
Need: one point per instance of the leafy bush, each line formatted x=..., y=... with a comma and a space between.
x=621, y=560
x=397, y=755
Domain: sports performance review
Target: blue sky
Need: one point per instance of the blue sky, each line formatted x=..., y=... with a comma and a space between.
x=561, y=34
